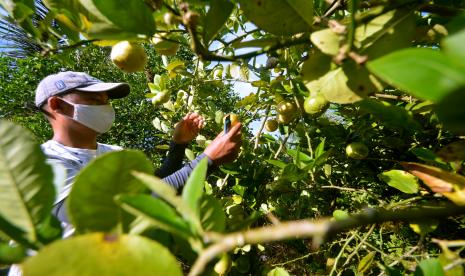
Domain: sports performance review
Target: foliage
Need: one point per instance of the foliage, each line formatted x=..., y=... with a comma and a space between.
x=392, y=70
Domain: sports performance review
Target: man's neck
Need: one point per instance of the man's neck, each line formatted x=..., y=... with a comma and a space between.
x=76, y=140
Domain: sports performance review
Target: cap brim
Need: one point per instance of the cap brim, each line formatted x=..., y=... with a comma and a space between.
x=114, y=90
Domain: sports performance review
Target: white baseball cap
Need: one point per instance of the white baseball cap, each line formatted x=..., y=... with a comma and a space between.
x=64, y=82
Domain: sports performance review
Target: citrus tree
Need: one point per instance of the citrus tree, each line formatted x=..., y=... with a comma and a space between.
x=356, y=160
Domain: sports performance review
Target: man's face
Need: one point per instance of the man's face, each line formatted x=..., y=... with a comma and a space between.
x=85, y=98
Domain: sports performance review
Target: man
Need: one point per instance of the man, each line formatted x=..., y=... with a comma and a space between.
x=77, y=107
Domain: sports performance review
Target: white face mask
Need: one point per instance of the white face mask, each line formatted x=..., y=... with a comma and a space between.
x=97, y=117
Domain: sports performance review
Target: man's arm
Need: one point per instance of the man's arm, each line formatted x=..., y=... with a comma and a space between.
x=173, y=162
x=224, y=148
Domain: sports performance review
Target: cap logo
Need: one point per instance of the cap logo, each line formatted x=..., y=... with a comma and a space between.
x=60, y=85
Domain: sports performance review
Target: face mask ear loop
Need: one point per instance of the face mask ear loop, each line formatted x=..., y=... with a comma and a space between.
x=74, y=108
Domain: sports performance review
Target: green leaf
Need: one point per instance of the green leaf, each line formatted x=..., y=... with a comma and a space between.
x=103, y=254
x=401, y=180
x=212, y=215
x=366, y=262
x=11, y=254
x=193, y=190
x=429, y=267
x=451, y=112
x=454, y=151
x=298, y=155
x=451, y=185
x=216, y=18
x=453, y=46
x=320, y=149
x=156, y=211
x=91, y=204
x=279, y=17
x=26, y=182
x=292, y=173
x=340, y=215
x=277, y=163
x=424, y=73
x=326, y=40
x=278, y=271
x=346, y=84
x=189, y=154
x=19, y=10
x=255, y=43
x=133, y=17
x=168, y=193
x=390, y=115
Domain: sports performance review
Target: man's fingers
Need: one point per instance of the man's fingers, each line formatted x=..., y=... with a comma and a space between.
x=233, y=131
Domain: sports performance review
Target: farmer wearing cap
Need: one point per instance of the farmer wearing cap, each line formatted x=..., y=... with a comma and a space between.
x=77, y=107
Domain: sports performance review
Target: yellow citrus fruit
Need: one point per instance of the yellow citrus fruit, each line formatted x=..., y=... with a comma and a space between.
x=129, y=56
x=233, y=118
x=357, y=150
x=271, y=125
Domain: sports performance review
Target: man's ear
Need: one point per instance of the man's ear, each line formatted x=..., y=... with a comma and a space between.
x=54, y=104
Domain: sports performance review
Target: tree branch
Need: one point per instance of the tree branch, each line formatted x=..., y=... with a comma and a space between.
x=319, y=229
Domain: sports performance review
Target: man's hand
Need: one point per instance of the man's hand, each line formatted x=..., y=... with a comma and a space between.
x=188, y=128
x=225, y=147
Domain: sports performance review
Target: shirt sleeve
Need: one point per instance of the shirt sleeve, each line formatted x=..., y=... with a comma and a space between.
x=173, y=162
x=179, y=178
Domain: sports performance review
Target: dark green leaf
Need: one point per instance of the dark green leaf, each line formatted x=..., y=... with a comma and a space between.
x=453, y=46
x=280, y=17
x=156, y=211
x=26, y=181
x=193, y=190
x=366, y=262
x=277, y=163
x=91, y=204
x=132, y=17
x=212, y=215
x=216, y=18
x=424, y=73
x=451, y=112
x=390, y=115
x=429, y=267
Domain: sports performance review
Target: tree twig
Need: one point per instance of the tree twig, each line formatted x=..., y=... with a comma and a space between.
x=257, y=137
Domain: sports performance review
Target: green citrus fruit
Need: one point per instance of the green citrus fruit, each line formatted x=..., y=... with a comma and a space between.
x=161, y=98
x=316, y=105
x=271, y=125
x=129, y=56
x=223, y=266
x=285, y=119
x=287, y=108
x=357, y=150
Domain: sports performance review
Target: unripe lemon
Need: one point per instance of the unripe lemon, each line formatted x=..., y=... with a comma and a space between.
x=285, y=119
x=161, y=97
x=271, y=125
x=163, y=46
x=129, y=56
x=316, y=105
x=287, y=108
x=357, y=150
x=223, y=266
